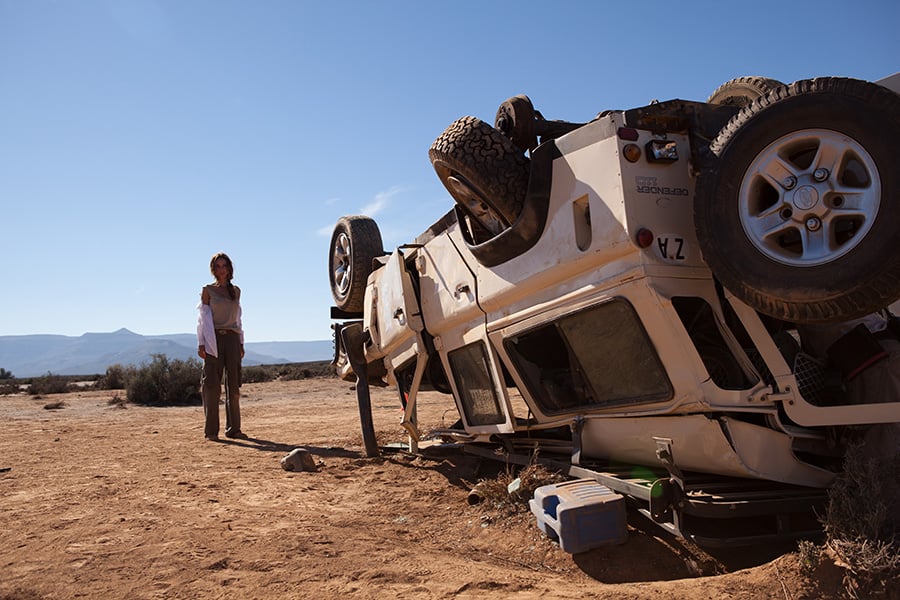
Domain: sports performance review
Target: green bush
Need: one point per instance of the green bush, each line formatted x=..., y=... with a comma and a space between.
x=49, y=384
x=117, y=377
x=286, y=372
x=294, y=371
x=165, y=383
x=257, y=374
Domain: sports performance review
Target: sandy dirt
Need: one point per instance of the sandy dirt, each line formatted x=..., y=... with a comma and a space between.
x=103, y=501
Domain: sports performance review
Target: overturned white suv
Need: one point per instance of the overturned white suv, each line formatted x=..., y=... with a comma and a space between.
x=628, y=291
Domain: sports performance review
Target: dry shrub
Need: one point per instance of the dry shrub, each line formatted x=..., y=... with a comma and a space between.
x=117, y=401
x=9, y=387
x=810, y=554
x=495, y=494
x=862, y=523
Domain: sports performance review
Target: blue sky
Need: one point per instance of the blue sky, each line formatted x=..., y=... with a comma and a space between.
x=139, y=137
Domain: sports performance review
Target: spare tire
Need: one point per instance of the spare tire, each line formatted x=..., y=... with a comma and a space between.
x=483, y=170
x=742, y=91
x=797, y=214
x=355, y=242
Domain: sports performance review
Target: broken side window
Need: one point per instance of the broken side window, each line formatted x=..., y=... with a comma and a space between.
x=596, y=357
x=477, y=392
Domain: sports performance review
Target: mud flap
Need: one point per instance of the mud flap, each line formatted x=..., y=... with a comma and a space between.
x=353, y=339
x=666, y=493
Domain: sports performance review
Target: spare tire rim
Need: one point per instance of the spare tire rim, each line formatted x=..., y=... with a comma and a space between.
x=340, y=259
x=469, y=198
x=809, y=197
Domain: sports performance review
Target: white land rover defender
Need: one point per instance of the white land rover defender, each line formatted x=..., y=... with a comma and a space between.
x=628, y=291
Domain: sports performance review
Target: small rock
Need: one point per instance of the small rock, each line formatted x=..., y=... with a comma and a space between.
x=299, y=460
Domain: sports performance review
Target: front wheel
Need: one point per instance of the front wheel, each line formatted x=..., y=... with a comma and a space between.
x=797, y=215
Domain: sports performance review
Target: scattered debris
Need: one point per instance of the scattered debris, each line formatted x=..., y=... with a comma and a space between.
x=476, y=494
x=510, y=491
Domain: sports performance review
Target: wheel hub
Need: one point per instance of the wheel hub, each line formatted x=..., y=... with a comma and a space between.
x=809, y=197
x=463, y=192
x=805, y=197
x=341, y=262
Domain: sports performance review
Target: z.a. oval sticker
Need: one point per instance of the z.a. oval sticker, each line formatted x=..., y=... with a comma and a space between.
x=671, y=248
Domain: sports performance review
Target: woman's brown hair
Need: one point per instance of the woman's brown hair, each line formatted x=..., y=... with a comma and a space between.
x=212, y=269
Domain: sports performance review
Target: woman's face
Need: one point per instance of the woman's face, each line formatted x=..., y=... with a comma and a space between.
x=220, y=269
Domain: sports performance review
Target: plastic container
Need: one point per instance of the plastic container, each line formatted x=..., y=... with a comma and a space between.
x=581, y=514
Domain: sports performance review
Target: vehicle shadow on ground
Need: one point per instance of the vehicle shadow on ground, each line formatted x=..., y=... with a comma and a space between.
x=459, y=469
x=264, y=445
x=674, y=557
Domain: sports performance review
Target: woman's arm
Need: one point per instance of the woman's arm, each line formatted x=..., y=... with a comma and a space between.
x=237, y=296
x=206, y=335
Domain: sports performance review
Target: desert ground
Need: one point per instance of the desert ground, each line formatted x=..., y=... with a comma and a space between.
x=104, y=500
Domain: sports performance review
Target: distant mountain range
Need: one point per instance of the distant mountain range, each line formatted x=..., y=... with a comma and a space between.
x=92, y=353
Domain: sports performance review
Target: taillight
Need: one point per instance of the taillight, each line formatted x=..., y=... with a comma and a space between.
x=643, y=238
x=631, y=152
x=629, y=134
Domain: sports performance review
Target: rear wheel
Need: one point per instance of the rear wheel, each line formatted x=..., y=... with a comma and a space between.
x=797, y=217
x=355, y=242
x=483, y=170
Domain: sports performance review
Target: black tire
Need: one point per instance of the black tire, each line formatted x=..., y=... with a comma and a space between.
x=483, y=170
x=356, y=241
x=515, y=119
x=742, y=91
x=799, y=236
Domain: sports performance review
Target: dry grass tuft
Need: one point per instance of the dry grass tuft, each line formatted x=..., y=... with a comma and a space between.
x=510, y=491
x=117, y=401
x=810, y=554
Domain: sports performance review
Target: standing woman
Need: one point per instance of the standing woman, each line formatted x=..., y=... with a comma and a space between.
x=221, y=339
